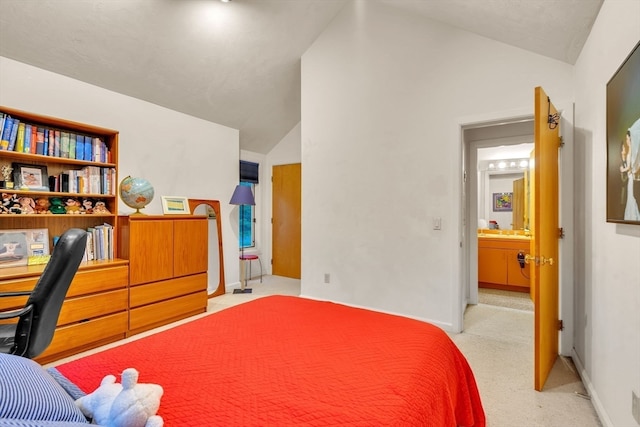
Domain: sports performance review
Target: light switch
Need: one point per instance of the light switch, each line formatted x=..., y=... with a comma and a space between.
x=437, y=223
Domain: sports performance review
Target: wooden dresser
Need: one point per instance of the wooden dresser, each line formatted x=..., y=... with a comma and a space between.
x=167, y=267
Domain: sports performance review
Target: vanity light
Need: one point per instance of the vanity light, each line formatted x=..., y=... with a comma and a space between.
x=492, y=166
x=512, y=164
x=523, y=163
x=502, y=165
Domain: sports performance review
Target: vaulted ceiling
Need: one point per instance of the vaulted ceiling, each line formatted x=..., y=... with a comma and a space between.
x=238, y=63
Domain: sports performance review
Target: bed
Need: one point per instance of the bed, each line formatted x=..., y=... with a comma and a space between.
x=284, y=361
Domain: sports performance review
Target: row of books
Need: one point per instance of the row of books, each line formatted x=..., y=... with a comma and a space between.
x=22, y=137
x=99, y=243
x=88, y=180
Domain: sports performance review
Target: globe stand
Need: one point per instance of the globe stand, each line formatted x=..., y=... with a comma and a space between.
x=137, y=212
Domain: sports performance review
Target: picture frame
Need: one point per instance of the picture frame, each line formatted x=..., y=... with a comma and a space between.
x=623, y=141
x=175, y=205
x=30, y=177
x=24, y=247
x=502, y=202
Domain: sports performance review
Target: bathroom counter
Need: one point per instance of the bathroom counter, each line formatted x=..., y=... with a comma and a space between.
x=498, y=264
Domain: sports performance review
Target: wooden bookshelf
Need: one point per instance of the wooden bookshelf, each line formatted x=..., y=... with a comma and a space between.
x=95, y=310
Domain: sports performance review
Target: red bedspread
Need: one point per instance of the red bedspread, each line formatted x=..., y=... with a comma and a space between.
x=282, y=361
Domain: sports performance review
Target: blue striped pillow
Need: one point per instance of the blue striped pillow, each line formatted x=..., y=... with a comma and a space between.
x=28, y=392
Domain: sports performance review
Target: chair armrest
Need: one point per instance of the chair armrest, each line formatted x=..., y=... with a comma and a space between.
x=16, y=313
x=15, y=294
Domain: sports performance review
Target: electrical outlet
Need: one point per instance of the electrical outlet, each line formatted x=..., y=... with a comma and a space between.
x=327, y=278
x=635, y=407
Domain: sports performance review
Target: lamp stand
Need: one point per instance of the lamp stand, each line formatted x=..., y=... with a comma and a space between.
x=243, y=284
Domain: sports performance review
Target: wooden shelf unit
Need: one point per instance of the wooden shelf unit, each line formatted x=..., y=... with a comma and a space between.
x=167, y=267
x=95, y=311
x=57, y=224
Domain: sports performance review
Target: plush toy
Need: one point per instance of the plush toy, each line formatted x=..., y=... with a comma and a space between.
x=72, y=206
x=27, y=205
x=10, y=204
x=87, y=205
x=100, y=207
x=57, y=206
x=42, y=205
x=123, y=405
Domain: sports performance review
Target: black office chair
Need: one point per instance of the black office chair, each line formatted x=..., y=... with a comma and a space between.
x=33, y=331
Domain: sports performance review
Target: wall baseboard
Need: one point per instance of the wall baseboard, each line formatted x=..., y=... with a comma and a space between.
x=597, y=404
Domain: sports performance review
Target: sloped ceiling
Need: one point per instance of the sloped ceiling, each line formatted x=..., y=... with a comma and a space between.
x=238, y=63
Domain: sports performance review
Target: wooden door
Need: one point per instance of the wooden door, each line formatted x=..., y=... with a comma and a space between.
x=286, y=228
x=545, y=236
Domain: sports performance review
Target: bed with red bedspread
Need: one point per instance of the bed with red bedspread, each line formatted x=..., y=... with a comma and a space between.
x=284, y=361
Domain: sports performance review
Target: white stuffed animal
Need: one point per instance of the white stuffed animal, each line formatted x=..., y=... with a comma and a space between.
x=123, y=405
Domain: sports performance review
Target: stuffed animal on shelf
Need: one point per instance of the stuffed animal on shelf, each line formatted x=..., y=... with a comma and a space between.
x=57, y=206
x=87, y=205
x=27, y=205
x=41, y=205
x=123, y=405
x=100, y=207
x=72, y=206
x=10, y=204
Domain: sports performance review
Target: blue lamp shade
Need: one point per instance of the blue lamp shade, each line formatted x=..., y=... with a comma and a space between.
x=242, y=195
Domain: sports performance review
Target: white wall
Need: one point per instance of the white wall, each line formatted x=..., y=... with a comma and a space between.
x=383, y=96
x=179, y=154
x=288, y=151
x=607, y=279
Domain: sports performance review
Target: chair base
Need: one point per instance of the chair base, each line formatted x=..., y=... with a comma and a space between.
x=242, y=291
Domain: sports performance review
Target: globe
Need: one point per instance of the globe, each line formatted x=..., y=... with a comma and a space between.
x=136, y=193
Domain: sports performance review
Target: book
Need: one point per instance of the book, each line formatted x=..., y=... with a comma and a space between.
x=56, y=143
x=72, y=145
x=79, y=147
x=3, y=117
x=6, y=133
x=51, y=144
x=34, y=139
x=20, y=139
x=14, y=135
x=64, y=145
x=27, y=139
x=45, y=144
x=96, y=149
x=40, y=140
x=88, y=148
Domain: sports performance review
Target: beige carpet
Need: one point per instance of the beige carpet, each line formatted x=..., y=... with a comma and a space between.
x=509, y=299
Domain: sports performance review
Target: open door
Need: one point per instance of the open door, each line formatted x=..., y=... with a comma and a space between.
x=545, y=235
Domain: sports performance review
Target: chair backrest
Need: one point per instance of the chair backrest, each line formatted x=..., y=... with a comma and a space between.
x=49, y=293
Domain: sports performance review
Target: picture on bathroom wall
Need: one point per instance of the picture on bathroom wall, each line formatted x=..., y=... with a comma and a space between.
x=623, y=142
x=502, y=202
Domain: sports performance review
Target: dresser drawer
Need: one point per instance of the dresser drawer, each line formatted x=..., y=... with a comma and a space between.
x=96, y=305
x=166, y=289
x=163, y=312
x=75, y=338
x=99, y=280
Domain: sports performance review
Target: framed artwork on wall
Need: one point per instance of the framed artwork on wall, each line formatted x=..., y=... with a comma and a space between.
x=502, y=202
x=623, y=142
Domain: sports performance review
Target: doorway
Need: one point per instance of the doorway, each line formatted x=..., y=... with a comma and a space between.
x=483, y=144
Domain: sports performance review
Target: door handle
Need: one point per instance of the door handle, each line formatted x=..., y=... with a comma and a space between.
x=539, y=261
